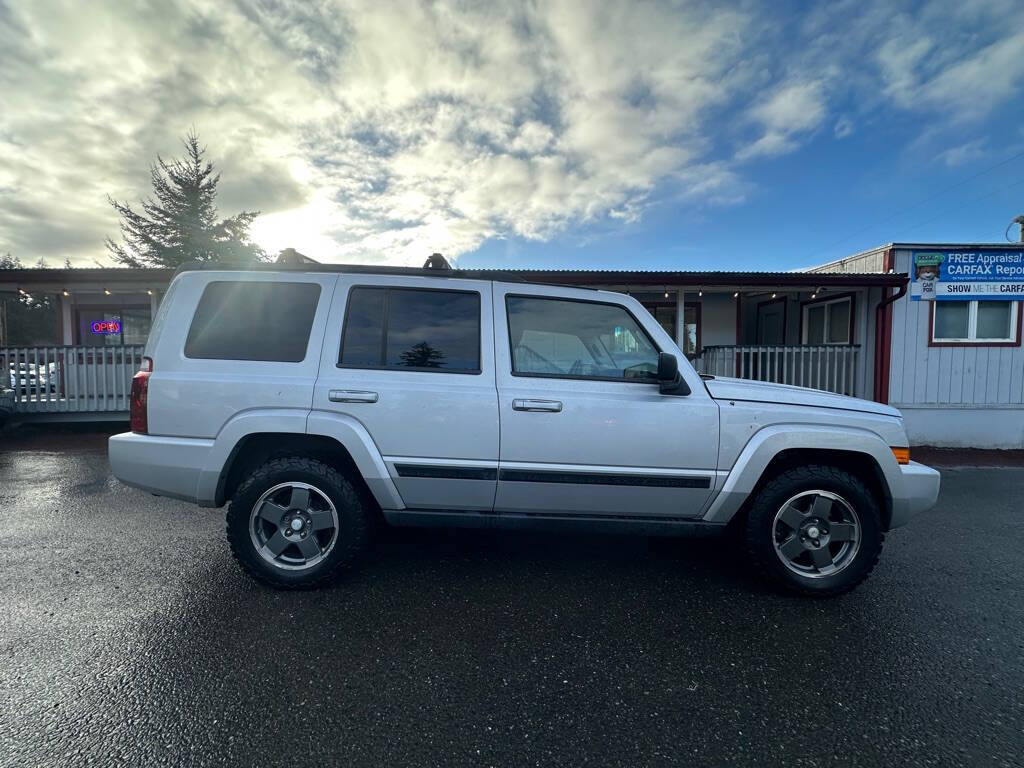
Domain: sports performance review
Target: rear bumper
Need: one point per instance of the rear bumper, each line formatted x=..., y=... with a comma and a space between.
x=166, y=466
x=918, y=492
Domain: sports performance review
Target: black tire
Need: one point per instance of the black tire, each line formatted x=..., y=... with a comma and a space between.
x=761, y=529
x=354, y=514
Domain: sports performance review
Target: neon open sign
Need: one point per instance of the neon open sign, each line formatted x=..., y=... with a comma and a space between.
x=106, y=327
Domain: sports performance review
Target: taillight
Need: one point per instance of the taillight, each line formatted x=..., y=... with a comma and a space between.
x=140, y=394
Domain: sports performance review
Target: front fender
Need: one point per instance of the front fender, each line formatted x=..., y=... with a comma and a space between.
x=770, y=441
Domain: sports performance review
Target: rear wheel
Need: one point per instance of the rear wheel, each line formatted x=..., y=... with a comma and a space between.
x=815, y=530
x=296, y=522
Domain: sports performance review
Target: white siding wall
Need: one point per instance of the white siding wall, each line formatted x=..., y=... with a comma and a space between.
x=953, y=396
x=869, y=261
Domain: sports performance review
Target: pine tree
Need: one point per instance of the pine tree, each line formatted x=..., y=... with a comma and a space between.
x=179, y=223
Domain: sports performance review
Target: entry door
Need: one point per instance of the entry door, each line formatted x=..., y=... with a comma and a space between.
x=584, y=428
x=409, y=362
x=771, y=322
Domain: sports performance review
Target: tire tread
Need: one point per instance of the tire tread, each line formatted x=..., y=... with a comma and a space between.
x=764, y=561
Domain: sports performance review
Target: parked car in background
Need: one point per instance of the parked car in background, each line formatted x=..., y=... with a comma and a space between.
x=6, y=404
x=321, y=400
x=29, y=378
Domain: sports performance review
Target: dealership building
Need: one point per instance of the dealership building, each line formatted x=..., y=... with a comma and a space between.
x=933, y=329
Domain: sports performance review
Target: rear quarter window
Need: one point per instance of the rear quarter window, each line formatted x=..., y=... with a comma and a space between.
x=253, y=320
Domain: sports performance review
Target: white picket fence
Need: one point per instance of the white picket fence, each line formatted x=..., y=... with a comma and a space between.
x=832, y=367
x=70, y=379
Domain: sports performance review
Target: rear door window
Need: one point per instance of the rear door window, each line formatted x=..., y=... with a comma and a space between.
x=412, y=329
x=253, y=320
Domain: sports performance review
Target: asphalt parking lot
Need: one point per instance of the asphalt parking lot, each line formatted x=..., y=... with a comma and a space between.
x=128, y=636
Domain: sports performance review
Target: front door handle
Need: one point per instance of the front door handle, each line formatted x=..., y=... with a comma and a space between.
x=351, y=396
x=550, y=406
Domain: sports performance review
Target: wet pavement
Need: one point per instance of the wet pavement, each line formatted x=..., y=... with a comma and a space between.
x=128, y=636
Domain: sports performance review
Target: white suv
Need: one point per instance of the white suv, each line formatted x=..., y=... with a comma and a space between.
x=320, y=400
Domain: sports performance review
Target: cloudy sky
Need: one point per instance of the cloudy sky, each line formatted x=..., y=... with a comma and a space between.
x=547, y=133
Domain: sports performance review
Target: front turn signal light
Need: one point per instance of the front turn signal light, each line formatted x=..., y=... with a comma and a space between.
x=902, y=455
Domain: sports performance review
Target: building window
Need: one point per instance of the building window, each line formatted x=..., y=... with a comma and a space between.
x=975, y=322
x=112, y=326
x=828, y=322
x=429, y=330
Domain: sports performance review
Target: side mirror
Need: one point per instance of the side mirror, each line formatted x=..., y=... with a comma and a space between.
x=668, y=367
x=669, y=380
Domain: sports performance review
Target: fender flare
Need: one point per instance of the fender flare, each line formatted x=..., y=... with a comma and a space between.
x=767, y=443
x=350, y=433
x=357, y=441
x=238, y=427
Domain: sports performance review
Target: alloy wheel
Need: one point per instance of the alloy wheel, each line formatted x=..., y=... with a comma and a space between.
x=816, y=534
x=294, y=525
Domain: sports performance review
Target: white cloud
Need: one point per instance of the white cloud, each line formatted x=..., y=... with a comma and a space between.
x=785, y=115
x=963, y=153
x=415, y=127
x=373, y=131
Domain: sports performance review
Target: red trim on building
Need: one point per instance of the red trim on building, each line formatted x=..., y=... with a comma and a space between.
x=883, y=333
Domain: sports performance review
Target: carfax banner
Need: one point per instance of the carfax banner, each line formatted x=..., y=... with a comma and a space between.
x=967, y=275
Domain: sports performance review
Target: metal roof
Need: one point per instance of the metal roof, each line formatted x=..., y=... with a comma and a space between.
x=583, y=277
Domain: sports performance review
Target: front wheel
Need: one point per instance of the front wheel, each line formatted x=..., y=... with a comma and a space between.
x=296, y=522
x=815, y=530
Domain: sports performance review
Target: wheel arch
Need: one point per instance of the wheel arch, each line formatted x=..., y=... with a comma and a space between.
x=775, y=449
x=254, y=437
x=257, y=448
x=861, y=465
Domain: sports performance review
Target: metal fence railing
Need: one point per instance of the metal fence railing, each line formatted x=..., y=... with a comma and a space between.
x=831, y=367
x=69, y=379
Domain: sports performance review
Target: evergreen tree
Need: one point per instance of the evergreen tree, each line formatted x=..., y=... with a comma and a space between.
x=422, y=355
x=179, y=223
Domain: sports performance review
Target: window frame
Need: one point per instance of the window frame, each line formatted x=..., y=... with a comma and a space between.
x=806, y=306
x=572, y=376
x=384, y=331
x=1016, y=316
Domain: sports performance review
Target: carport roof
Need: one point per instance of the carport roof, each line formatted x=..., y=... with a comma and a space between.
x=58, y=279
x=709, y=278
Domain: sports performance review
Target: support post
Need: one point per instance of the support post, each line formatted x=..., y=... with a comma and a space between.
x=681, y=319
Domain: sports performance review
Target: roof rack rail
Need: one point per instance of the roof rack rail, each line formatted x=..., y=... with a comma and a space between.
x=305, y=264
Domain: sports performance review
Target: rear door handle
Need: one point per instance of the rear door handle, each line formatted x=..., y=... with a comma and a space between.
x=550, y=406
x=351, y=396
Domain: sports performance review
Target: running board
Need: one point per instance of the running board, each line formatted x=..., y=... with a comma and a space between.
x=542, y=521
